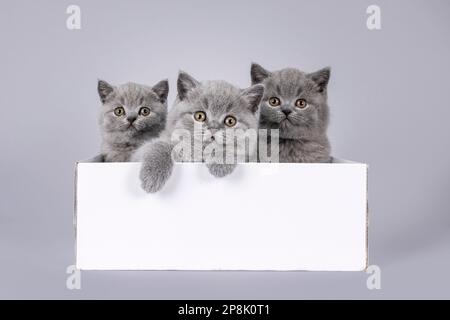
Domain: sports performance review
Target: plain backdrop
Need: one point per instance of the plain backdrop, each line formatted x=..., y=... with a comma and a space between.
x=389, y=100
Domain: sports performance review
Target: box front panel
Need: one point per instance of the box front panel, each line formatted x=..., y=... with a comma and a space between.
x=262, y=217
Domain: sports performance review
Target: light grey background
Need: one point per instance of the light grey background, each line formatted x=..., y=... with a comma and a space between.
x=389, y=97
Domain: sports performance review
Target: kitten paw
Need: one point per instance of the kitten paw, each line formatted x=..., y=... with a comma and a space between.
x=220, y=170
x=156, y=167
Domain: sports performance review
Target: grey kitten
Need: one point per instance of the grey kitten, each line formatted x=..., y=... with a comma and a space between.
x=130, y=115
x=215, y=107
x=295, y=102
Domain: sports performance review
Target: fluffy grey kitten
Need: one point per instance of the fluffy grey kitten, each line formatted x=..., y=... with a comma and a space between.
x=213, y=106
x=295, y=102
x=130, y=115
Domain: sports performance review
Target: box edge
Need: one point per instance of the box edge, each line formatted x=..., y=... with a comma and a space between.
x=75, y=215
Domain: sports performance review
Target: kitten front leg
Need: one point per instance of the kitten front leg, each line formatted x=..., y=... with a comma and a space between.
x=157, y=165
x=220, y=170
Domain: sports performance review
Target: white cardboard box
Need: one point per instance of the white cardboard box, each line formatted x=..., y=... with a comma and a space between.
x=264, y=216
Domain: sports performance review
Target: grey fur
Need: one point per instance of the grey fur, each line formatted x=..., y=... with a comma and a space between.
x=123, y=135
x=156, y=166
x=217, y=99
x=303, y=132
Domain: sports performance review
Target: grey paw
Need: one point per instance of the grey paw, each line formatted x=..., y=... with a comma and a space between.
x=220, y=170
x=156, y=167
x=151, y=180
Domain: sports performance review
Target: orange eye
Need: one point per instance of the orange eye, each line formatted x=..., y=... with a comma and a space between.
x=119, y=111
x=200, y=116
x=274, y=101
x=230, y=121
x=301, y=103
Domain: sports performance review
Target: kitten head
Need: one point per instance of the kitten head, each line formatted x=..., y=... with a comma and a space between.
x=132, y=109
x=214, y=107
x=294, y=101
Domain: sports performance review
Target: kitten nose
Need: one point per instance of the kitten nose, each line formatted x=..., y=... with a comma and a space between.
x=286, y=111
x=131, y=118
x=212, y=133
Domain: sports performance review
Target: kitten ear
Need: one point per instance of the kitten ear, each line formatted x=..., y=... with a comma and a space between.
x=185, y=83
x=162, y=90
x=258, y=73
x=104, y=90
x=253, y=95
x=321, y=78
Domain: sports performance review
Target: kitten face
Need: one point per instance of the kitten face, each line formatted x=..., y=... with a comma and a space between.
x=294, y=102
x=131, y=109
x=211, y=109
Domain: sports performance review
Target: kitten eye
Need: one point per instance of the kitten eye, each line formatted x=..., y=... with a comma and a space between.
x=119, y=111
x=230, y=121
x=144, y=111
x=301, y=103
x=274, y=101
x=200, y=116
